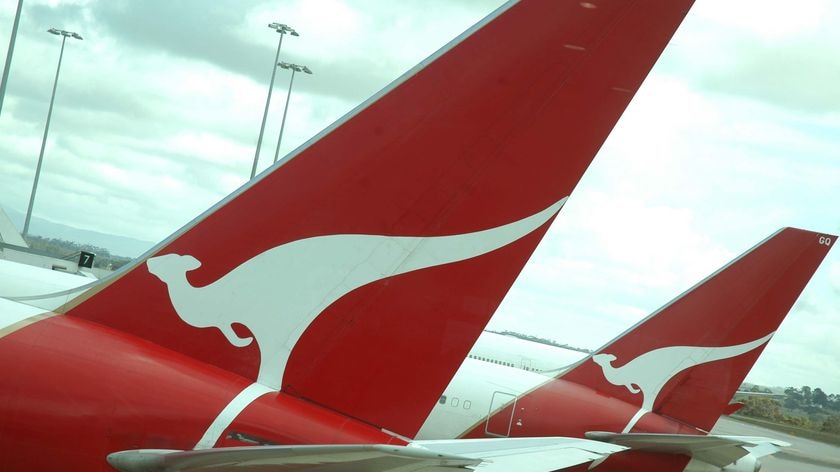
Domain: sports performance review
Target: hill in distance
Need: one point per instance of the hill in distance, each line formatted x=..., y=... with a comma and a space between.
x=116, y=245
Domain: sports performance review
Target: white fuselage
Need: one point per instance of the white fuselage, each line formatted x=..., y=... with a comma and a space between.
x=523, y=354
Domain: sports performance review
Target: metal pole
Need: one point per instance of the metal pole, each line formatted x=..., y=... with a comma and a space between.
x=267, y=102
x=43, y=142
x=285, y=110
x=8, y=65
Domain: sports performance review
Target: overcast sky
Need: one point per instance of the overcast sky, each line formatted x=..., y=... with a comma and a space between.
x=735, y=134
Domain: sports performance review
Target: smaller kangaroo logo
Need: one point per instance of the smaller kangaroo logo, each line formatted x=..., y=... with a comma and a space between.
x=648, y=373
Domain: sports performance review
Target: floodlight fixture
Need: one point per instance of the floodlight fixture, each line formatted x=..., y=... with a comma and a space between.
x=283, y=29
x=294, y=68
x=64, y=35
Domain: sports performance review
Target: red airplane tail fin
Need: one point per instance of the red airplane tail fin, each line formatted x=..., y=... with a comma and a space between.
x=687, y=359
x=390, y=239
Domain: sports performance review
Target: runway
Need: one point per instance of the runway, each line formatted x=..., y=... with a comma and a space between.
x=804, y=455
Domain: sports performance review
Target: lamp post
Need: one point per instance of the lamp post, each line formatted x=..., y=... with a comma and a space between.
x=283, y=30
x=5, y=79
x=294, y=68
x=64, y=35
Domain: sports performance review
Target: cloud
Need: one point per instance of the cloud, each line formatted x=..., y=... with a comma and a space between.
x=783, y=54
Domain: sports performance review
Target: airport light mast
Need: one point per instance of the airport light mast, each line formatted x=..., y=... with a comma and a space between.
x=283, y=30
x=5, y=79
x=294, y=68
x=64, y=35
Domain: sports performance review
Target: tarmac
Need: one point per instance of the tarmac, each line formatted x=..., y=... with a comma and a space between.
x=804, y=455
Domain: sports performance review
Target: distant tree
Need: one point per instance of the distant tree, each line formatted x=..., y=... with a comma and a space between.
x=806, y=394
x=834, y=402
x=762, y=407
x=69, y=250
x=794, y=399
x=819, y=398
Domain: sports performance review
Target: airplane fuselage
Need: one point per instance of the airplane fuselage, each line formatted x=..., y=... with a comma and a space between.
x=75, y=391
x=119, y=392
x=489, y=400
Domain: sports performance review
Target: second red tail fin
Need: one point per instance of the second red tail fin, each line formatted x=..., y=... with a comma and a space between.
x=686, y=360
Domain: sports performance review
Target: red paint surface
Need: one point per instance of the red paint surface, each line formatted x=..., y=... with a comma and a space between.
x=742, y=303
x=73, y=392
x=271, y=416
x=498, y=128
x=746, y=301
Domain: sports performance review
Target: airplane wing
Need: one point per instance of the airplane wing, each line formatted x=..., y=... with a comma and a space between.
x=713, y=449
x=491, y=455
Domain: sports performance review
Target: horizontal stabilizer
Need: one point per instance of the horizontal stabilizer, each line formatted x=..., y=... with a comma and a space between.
x=362, y=458
x=713, y=449
x=494, y=455
x=733, y=408
x=524, y=454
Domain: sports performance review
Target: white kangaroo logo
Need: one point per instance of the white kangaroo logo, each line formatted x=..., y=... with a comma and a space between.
x=649, y=372
x=278, y=293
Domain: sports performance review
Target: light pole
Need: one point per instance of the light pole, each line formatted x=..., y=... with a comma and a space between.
x=64, y=35
x=283, y=30
x=294, y=68
x=8, y=65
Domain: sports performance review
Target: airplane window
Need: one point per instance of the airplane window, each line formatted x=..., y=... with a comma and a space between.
x=454, y=401
x=467, y=404
x=442, y=400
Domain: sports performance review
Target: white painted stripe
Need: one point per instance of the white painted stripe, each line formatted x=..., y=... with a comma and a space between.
x=230, y=412
x=642, y=411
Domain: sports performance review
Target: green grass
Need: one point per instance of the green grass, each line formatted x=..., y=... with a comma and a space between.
x=820, y=436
